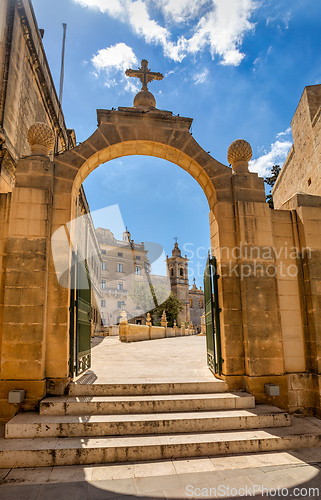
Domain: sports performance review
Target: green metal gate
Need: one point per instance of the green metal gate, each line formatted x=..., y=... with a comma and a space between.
x=80, y=317
x=212, y=317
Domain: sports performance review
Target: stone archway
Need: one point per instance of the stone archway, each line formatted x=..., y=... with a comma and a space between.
x=252, y=342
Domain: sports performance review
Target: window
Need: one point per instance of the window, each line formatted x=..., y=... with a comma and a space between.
x=201, y=303
x=119, y=268
x=120, y=285
x=103, y=303
x=103, y=284
x=172, y=271
x=103, y=252
x=137, y=270
x=181, y=272
x=120, y=254
x=103, y=265
x=137, y=257
x=121, y=304
x=191, y=302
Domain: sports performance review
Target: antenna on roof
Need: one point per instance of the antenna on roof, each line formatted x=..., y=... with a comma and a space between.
x=62, y=72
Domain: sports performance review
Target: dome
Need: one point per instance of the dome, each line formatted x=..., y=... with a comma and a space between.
x=239, y=150
x=145, y=98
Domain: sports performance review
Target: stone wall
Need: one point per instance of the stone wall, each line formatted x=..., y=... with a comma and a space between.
x=301, y=171
x=27, y=92
x=136, y=333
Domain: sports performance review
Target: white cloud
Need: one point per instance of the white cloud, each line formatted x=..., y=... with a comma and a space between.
x=149, y=29
x=276, y=156
x=200, y=77
x=131, y=86
x=112, y=7
x=119, y=57
x=115, y=58
x=180, y=10
x=287, y=132
x=219, y=25
x=223, y=29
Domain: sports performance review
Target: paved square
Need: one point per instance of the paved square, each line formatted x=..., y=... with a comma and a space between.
x=177, y=359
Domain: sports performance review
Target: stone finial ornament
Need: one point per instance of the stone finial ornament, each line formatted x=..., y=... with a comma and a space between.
x=164, y=320
x=123, y=318
x=148, y=320
x=144, y=99
x=239, y=154
x=41, y=139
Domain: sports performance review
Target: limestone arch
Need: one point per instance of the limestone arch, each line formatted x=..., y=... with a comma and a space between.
x=160, y=134
x=156, y=150
x=237, y=203
x=125, y=133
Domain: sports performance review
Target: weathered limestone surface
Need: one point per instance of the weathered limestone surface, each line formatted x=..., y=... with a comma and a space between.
x=135, y=333
x=253, y=347
x=270, y=315
x=301, y=171
x=27, y=92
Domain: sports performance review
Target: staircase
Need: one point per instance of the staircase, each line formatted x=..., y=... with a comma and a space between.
x=104, y=423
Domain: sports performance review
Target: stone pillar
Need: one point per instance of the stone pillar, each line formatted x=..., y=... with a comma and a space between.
x=203, y=324
x=175, y=328
x=123, y=327
x=23, y=343
x=223, y=243
x=306, y=390
x=251, y=318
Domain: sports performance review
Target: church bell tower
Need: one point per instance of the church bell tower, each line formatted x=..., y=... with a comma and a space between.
x=178, y=274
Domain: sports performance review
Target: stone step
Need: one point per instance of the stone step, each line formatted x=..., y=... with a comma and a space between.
x=111, y=405
x=142, y=389
x=75, y=451
x=33, y=425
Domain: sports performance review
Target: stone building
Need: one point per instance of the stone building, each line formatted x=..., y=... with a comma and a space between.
x=124, y=263
x=301, y=172
x=196, y=306
x=27, y=91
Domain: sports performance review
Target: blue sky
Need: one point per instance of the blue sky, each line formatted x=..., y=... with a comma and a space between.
x=237, y=67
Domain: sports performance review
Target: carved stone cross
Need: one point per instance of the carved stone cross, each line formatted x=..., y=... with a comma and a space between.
x=144, y=74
